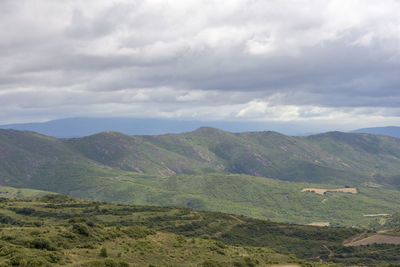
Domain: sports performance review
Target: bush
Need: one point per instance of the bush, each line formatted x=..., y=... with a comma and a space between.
x=211, y=263
x=81, y=229
x=138, y=231
x=103, y=252
x=246, y=262
x=106, y=263
x=42, y=243
x=24, y=211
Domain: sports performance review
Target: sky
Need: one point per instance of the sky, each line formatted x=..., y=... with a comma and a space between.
x=330, y=63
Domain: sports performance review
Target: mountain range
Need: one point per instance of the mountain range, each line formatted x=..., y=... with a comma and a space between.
x=388, y=130
x=80, y=127
x=259, y=174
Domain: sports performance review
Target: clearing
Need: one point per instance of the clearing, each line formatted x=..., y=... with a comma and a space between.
x=321, y=191
x=320, y=224
x=378, y=239
x=376, y=215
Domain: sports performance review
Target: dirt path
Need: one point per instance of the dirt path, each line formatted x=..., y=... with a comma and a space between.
x=331, y=254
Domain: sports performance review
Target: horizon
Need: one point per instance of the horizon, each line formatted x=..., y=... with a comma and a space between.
x=86, y=126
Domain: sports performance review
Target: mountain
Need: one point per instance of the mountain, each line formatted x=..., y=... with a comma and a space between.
x=60, y=230
x=334, y=157
x=79, y=127
x=211, y=169
x=389, y=130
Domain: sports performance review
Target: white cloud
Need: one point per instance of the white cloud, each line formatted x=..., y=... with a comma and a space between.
x=238, y=59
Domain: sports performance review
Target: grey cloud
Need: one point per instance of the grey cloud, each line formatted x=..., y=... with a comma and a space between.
x=333, y=54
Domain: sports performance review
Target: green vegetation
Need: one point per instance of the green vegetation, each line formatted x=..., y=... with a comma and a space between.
x=391, y=222
x=257, y=197
x=11, y=192
x=331, y=158
x=66, y=231
x=61, y=230
x=200, y=170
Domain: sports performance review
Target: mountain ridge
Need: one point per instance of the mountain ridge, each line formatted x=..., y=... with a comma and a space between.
x=85, y=126
x=267, y=154
x=214, y=170
x=393, y=131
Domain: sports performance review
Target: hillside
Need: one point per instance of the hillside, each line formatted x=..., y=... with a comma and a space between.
x=61, y=230
x=333, y=158
x=210, y=169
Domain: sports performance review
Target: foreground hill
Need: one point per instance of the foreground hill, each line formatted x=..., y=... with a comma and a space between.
x=56, y=229
x=215, y=170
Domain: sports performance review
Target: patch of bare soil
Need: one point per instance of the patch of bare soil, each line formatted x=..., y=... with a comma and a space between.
x=321, y=191
x=376, y=215
x=320, y=224
x=378, y=239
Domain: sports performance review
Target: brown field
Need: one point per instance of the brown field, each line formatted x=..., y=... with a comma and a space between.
x=376, y=215
x=321, y=191
x=378, y=239
x=320, y=224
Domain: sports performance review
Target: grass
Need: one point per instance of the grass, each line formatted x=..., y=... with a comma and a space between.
x=330, y=158
x=257, y=197
x=11, y=192
x=58, y=230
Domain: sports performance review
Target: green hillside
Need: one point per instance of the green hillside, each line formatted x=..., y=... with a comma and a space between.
x=11, y=192
x=210, y=169
x=335, y=158
x=331, y=158
x=258, y=197
x=66, y=231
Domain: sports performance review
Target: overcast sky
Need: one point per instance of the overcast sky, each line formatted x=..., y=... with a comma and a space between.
x=331, y=62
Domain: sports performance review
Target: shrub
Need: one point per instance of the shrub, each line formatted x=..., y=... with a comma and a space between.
x=81, y=229
x=103, y=252
x=24, y=211
x=42, y=243
x=106, y=263
x=211, y=263
x=246, y=262
x=138, y=231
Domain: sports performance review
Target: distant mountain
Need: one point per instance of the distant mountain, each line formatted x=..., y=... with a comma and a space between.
x=79, y=127
x=389, y=130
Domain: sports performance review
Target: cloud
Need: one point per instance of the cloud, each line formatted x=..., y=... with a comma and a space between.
x=238, y=59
